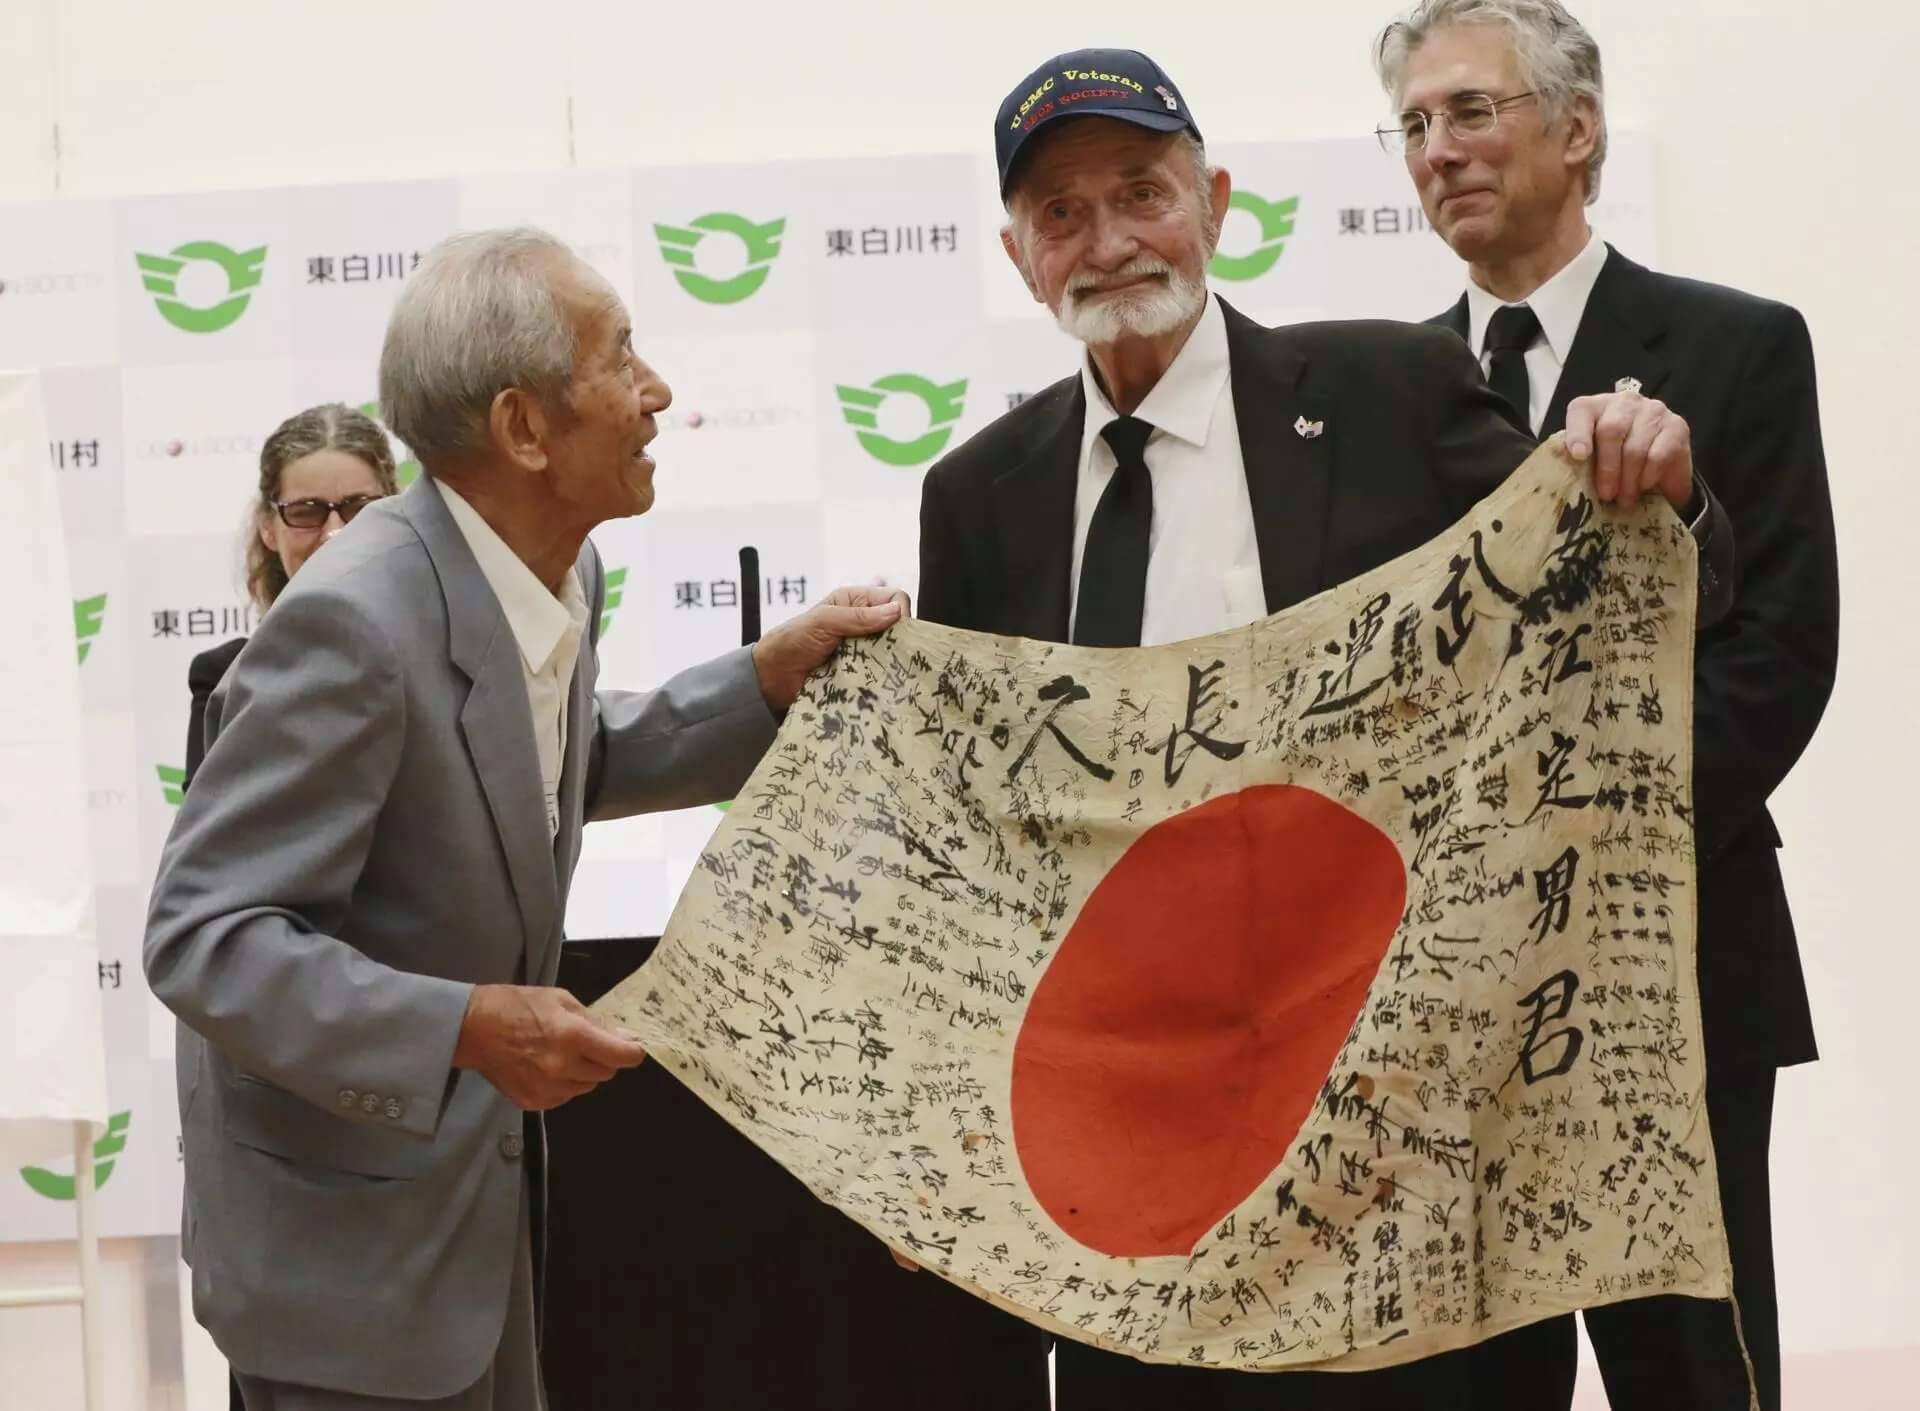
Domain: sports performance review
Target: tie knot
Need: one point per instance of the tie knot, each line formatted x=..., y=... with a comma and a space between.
x=1128, y=437
x=1512, y=329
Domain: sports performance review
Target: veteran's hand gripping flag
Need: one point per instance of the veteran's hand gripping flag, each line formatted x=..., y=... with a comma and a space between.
x=1318, y=993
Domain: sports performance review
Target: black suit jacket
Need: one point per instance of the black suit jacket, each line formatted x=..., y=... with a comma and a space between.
x=204, y=673
x=1413, y=439
x=1740, y=370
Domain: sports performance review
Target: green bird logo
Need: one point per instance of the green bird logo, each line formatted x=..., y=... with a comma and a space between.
x=89, y=616
x=242, y=268
x=610, y=599
x=1276, y=223
x=944, y=404
x=762, y=241
x=173, y=783
x=55, y=1186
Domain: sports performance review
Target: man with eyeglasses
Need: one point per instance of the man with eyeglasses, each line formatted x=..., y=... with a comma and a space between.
x=1503, y=127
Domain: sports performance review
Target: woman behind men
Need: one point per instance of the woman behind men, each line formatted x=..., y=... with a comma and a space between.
x=318, y=469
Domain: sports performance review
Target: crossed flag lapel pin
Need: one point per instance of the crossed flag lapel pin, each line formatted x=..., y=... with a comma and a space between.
x=1307, y=430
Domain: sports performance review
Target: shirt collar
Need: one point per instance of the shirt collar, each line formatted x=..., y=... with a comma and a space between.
x=1558, y=303
x=538, y=620
x=1182, y=402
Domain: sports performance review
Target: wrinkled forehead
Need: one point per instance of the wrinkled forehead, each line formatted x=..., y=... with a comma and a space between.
x=592, y=305
x=1459, y=59
x=1089, y=151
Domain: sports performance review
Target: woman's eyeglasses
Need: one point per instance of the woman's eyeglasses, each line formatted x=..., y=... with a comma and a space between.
x=312, y=514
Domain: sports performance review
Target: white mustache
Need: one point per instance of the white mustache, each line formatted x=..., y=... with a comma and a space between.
x=1138, y=267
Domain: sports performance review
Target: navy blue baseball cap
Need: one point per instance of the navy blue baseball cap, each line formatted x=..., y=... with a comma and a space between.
x=1106, y=83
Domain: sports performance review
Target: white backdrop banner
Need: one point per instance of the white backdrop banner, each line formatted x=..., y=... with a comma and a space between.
x=828, y=328
x=52, y=1047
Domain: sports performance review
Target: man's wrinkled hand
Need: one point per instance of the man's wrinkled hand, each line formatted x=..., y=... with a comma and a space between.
x=540, y=1047
x=787, y=655
x=1636, y=445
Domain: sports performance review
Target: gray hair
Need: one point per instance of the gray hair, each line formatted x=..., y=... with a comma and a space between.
x=1558, y=58
x=478, y=316
x=1203, y=184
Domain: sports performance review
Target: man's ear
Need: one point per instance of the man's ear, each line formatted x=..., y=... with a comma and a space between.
x=1583, y=131
x=1220, y=188
x=1012, y=247
x=519, y=425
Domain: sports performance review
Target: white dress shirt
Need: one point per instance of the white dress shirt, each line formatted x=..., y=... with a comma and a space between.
x=1203, y=558
x=1558, y=304
x=545, y=628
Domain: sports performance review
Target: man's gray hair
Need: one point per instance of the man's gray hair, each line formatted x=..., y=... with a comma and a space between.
x=478, y=316
x=1558, y=58
x=1203, y=184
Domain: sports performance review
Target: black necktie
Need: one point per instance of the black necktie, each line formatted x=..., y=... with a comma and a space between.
x=1510, y=333
x=1113, y=566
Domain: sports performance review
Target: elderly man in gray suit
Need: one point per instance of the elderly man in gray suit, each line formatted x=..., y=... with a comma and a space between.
x=358, y=914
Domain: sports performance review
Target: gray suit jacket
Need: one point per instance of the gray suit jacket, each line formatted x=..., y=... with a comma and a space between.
x=366, y=840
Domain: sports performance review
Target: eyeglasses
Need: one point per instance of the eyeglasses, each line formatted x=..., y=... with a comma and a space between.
x=312, y=514
x=1469, y=115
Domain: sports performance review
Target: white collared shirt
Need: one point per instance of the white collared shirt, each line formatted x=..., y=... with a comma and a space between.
x=545, y=628
x=1203, y=557
x=1558, y=304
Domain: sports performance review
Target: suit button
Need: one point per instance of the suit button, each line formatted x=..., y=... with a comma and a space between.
x=349, y=1098
x=370, y=1103
x=510, y=1146
x=396, y=1109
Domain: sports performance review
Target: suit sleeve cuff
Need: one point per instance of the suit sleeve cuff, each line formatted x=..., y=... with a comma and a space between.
x=1695, y=514
x=408, y=1091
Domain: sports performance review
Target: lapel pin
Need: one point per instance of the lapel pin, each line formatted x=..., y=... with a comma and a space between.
x=1627, y=384
x=1308, y=429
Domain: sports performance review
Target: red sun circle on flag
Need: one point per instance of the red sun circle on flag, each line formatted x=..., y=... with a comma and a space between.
x=1181, y=1034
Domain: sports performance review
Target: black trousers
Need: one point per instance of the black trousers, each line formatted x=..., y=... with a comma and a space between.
x=687, y=1272
x=1684, y=1353
x=1655, y=1354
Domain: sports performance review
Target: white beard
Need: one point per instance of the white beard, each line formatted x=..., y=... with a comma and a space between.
x=1143, y=313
